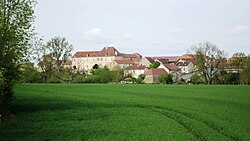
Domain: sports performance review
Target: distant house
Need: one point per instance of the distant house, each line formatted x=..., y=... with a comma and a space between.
x=171, y=59
x=169, y=68
x=172, y=69
x=152, y=75
x=135, y=70
x=146, y=61
x=163, y=61
x=185, y=67
x=121, y=64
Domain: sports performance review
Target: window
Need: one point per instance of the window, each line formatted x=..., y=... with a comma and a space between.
x=97, y=59
x=101, y=59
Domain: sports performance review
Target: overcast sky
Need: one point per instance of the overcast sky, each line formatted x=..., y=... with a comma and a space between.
x=149, y=27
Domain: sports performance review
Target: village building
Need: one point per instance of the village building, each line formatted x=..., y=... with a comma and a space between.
x=185, y=67
x=152, y=75
x=171, y=59
x=120, y=64
x=85, y=60
x=172, y=69
x=135, y=71
x=146, y=61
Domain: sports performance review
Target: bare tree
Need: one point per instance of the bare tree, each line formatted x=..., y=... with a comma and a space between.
x=209, y=61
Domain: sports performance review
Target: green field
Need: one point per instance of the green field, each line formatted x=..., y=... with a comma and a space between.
x=108, y=112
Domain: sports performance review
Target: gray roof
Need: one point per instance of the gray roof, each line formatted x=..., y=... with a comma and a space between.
x=183, y=63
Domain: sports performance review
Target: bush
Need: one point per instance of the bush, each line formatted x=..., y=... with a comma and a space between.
x=232, y=78
x=53, y=79
x=78, y=79
x=140, y=79
x=166, y=79
x=196, y=79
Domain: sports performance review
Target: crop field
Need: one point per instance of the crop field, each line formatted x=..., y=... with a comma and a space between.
x=50, y=112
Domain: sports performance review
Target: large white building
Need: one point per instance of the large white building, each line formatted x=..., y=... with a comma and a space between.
x=85, y=60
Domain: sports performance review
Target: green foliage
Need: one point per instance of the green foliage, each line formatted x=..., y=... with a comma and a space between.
x=117, y=75
x=59, y=50
x=53, y=79
x=79, y=79
x=29, y=74
x=100, y=75
x=156, y=64
x=16, y=19
x=232, y=78
x=196, y=79
x=129, y=112
x=245, y=74
x=166, y=78
x=140, y=79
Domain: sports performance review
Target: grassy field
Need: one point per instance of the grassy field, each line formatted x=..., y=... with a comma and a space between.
x=129, y=112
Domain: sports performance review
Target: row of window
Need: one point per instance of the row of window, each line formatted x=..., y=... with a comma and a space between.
x=97, y=59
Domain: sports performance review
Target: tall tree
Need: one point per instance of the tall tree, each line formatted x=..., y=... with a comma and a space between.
x=16, y=19
x=60, y=49
x=245, y=74
x=210, y=60
x=238, y=61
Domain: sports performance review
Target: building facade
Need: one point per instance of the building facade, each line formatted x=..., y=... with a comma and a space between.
x=85, y=60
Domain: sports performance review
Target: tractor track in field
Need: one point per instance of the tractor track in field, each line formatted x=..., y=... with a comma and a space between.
x=176, y=115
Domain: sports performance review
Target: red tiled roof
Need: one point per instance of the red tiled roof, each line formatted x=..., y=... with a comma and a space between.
x=150, y=59
x=136, y=67
x=170, y=58
x=124, y=61
x=135, y=55
x=171, y=67
x=106, y=51
x=136, y=60
x=188, y=57
x=163, y=61
x=155, y=72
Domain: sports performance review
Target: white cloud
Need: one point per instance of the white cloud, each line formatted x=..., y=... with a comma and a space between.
x=238, y=29
x=94, y=32
x=128, y=36
x=97, y=36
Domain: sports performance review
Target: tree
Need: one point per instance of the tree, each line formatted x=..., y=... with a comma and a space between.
x=166, y=78
x=29, y=73
x=46, y=67
x=209, y=60
x=245, y=74
x=60, y=50
x=195, y=79
x=156, y=64
x=238, y=61
x=16, y=18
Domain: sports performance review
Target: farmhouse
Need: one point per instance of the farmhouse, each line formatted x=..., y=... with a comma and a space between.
x=146, y=61
x=152, y=75
x=135, y=71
